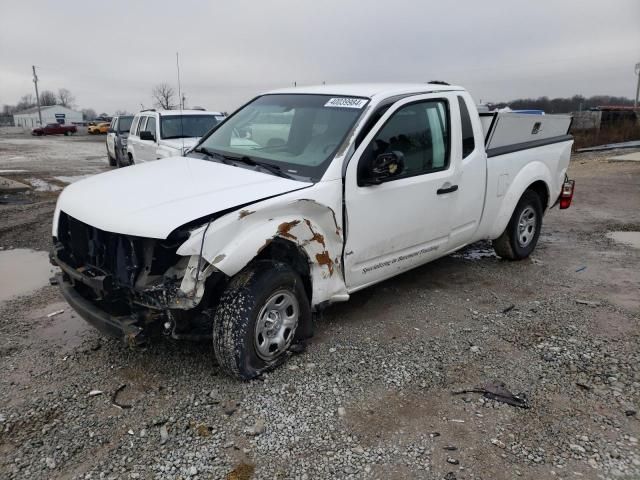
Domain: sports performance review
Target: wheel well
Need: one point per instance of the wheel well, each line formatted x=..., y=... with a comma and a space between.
x=543, y=192
x=289, y=253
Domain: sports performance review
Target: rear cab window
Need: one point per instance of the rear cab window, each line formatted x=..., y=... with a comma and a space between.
x=468, y=142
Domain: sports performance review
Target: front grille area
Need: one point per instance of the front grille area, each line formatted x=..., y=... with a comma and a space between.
x=117, y=256
x=86, y=247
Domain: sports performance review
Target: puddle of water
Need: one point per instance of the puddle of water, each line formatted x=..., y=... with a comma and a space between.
x=14, y=199
x=42, y=185
x=631, y=239
x=66, y=329
x=71, y=178
x=23, y=271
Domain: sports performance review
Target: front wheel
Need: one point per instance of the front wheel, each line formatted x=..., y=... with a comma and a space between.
x=256, y=319
x=521, y=235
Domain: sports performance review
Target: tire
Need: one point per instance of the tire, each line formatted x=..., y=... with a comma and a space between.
x=521, y=235
x=112, y=161
x=67, y=133
x=256, y=319
x=131, y=161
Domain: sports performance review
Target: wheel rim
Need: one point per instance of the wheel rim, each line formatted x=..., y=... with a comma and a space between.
x=527, y=226
x=276, y=324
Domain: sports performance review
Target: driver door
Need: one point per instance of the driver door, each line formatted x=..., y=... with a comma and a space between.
x=403, y=221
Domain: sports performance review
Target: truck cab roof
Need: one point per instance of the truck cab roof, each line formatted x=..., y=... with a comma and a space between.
x=369, y=90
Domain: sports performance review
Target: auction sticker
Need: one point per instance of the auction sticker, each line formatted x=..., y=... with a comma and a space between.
x=346, y=102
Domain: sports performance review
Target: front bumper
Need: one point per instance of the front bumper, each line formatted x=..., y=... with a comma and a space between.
x=123, y=327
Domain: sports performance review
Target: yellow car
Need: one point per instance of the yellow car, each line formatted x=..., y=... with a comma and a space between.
x=99, y=128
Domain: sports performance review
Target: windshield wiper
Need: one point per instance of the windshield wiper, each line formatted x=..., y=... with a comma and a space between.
x=275, y=169
x=212, y=154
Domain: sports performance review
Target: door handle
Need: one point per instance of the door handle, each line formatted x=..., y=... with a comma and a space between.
x=442, y=191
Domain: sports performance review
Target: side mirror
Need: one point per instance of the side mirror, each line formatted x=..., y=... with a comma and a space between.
x=147, y=135
x=383, y=167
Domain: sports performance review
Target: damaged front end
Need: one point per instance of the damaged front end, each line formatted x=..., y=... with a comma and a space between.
x=131, y=287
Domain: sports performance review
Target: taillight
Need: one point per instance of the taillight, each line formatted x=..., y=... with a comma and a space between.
x=567, y=194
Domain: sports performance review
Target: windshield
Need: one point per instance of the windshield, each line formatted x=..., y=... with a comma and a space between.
x=124, y=124
x=179, y=126
x=298, y=133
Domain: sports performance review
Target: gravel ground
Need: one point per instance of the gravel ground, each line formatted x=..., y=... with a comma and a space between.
x=371, y=397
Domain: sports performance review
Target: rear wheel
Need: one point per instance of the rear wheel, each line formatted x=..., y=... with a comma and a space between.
x=521, y=235
x=256, y=319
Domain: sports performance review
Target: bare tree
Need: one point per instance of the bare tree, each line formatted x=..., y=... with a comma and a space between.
x=121, y=112
x=47, y=97
x=88, y=114
x=163, y=95
x=65, y=98
x=26, y=101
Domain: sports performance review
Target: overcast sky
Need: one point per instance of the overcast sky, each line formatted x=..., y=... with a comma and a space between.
x=111, y=54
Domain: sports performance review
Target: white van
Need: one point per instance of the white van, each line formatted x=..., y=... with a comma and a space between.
x=167, y=133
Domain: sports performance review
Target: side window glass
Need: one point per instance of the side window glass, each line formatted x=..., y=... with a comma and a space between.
x=134, y=126
x=151, y=125
x=419, y=132
x=468, y=143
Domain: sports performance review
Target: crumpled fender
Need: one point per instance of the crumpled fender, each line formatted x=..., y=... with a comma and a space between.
x=235, y=239
x=531, y=173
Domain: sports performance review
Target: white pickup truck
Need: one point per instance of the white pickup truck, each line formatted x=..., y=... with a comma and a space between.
x=333, y=189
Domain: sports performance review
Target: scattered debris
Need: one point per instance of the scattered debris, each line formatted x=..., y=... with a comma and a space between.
x=130, y=432
x=509, y=308
x=581, y=269
x=341, y=411
x=452, y=461
x=230, y=406
x=243, y=471
x=203, y=430
x=298, y=348
x=588, y=303
x=456, y=420
x=164, y=434
x=474, y=349
x=114, y=397
x=93, y=393
x=53, y=314
x=450, y=448
x=584, y=386
x=498, y=443
x=630, y=413
x=498, y=392
x=450, y=476
x=53, y=281
x=434, y=434
x=257, y=429
x=50, y=462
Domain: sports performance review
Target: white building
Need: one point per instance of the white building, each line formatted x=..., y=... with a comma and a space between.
x=51, y=114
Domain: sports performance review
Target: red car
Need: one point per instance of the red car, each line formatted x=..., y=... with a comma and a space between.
x=54, y=129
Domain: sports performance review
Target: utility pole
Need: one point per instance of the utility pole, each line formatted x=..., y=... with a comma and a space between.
x=35, y=81
x=635, y=104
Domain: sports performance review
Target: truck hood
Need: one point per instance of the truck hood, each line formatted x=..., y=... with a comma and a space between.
x=178, y=143
x=154, y=198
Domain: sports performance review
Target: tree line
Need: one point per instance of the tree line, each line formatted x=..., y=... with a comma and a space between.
x=563, y=105
x=47, y=98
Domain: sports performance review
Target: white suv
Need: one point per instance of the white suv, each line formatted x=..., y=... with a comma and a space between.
x=167, y=133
